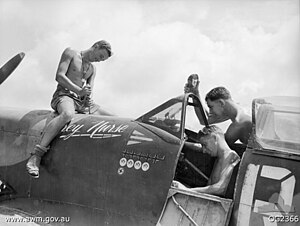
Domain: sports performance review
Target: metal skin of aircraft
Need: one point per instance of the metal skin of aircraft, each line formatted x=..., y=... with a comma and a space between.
x=103, y=169
x=107, y=170
x=99, y=170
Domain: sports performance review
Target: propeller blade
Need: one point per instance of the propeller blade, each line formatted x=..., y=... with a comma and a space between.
x=10, y=66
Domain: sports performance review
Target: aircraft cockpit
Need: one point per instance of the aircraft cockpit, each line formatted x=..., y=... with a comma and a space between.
x=275, y=131
x=180, y=117
x=177, y=116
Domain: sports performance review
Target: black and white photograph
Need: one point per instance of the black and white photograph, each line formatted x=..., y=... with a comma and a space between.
x=150, y=112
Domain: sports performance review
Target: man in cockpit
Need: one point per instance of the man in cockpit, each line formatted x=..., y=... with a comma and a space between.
x=212, y=142
x=222, y=108
x=75, y=76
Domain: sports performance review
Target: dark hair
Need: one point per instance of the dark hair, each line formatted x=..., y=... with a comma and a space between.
x=103, y=45
x=190, y=81
x=193, y=76
x=218, y=93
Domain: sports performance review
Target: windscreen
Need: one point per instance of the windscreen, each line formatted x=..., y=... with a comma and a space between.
x=167, y=117
x=278, y=123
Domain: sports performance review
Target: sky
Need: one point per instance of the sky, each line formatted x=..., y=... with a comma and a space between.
x=251, y=47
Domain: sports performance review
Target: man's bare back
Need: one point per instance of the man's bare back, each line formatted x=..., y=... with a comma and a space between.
x=239, y=130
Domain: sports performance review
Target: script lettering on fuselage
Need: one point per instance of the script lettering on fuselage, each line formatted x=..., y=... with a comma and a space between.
x=103, y=129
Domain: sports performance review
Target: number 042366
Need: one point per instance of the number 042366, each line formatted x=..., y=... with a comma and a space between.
x=284, y=218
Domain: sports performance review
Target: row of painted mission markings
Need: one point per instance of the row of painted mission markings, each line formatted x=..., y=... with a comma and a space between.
x=136, y=165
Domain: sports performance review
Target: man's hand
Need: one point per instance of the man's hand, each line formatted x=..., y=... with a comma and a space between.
x=88, y=101
x=85, y=91
x=178, y=185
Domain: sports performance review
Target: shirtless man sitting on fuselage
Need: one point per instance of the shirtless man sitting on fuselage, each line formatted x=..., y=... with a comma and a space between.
x=213, y=143
x=75, y=76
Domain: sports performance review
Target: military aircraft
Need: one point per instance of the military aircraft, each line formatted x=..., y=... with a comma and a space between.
x=108, y=170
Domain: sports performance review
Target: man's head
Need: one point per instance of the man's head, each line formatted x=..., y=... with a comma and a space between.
x=210, y=139
x=216, y=100
x=101, y=51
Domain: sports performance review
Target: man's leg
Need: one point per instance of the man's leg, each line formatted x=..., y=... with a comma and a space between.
x=66, y=112
x=97, y=110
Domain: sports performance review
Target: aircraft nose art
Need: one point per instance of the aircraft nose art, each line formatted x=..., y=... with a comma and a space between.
x=115, y=167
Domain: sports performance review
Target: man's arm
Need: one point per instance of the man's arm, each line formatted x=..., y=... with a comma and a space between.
x=241, y=131
x=214, y=189
x=62, y=69
x=90, y=84
x=220, y=187
x=211, y=189
x=193, y=146
x=90, y=80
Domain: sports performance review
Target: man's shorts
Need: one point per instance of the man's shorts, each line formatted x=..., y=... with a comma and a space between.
x=61, y=95
x=78, y=105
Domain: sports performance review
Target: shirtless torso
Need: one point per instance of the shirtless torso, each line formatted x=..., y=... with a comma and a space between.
x=79, y=71
x=76, y=69
x=241, y=123
x=214, y=144
x=239, y=130
x=222, y=165
x=75, y=77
